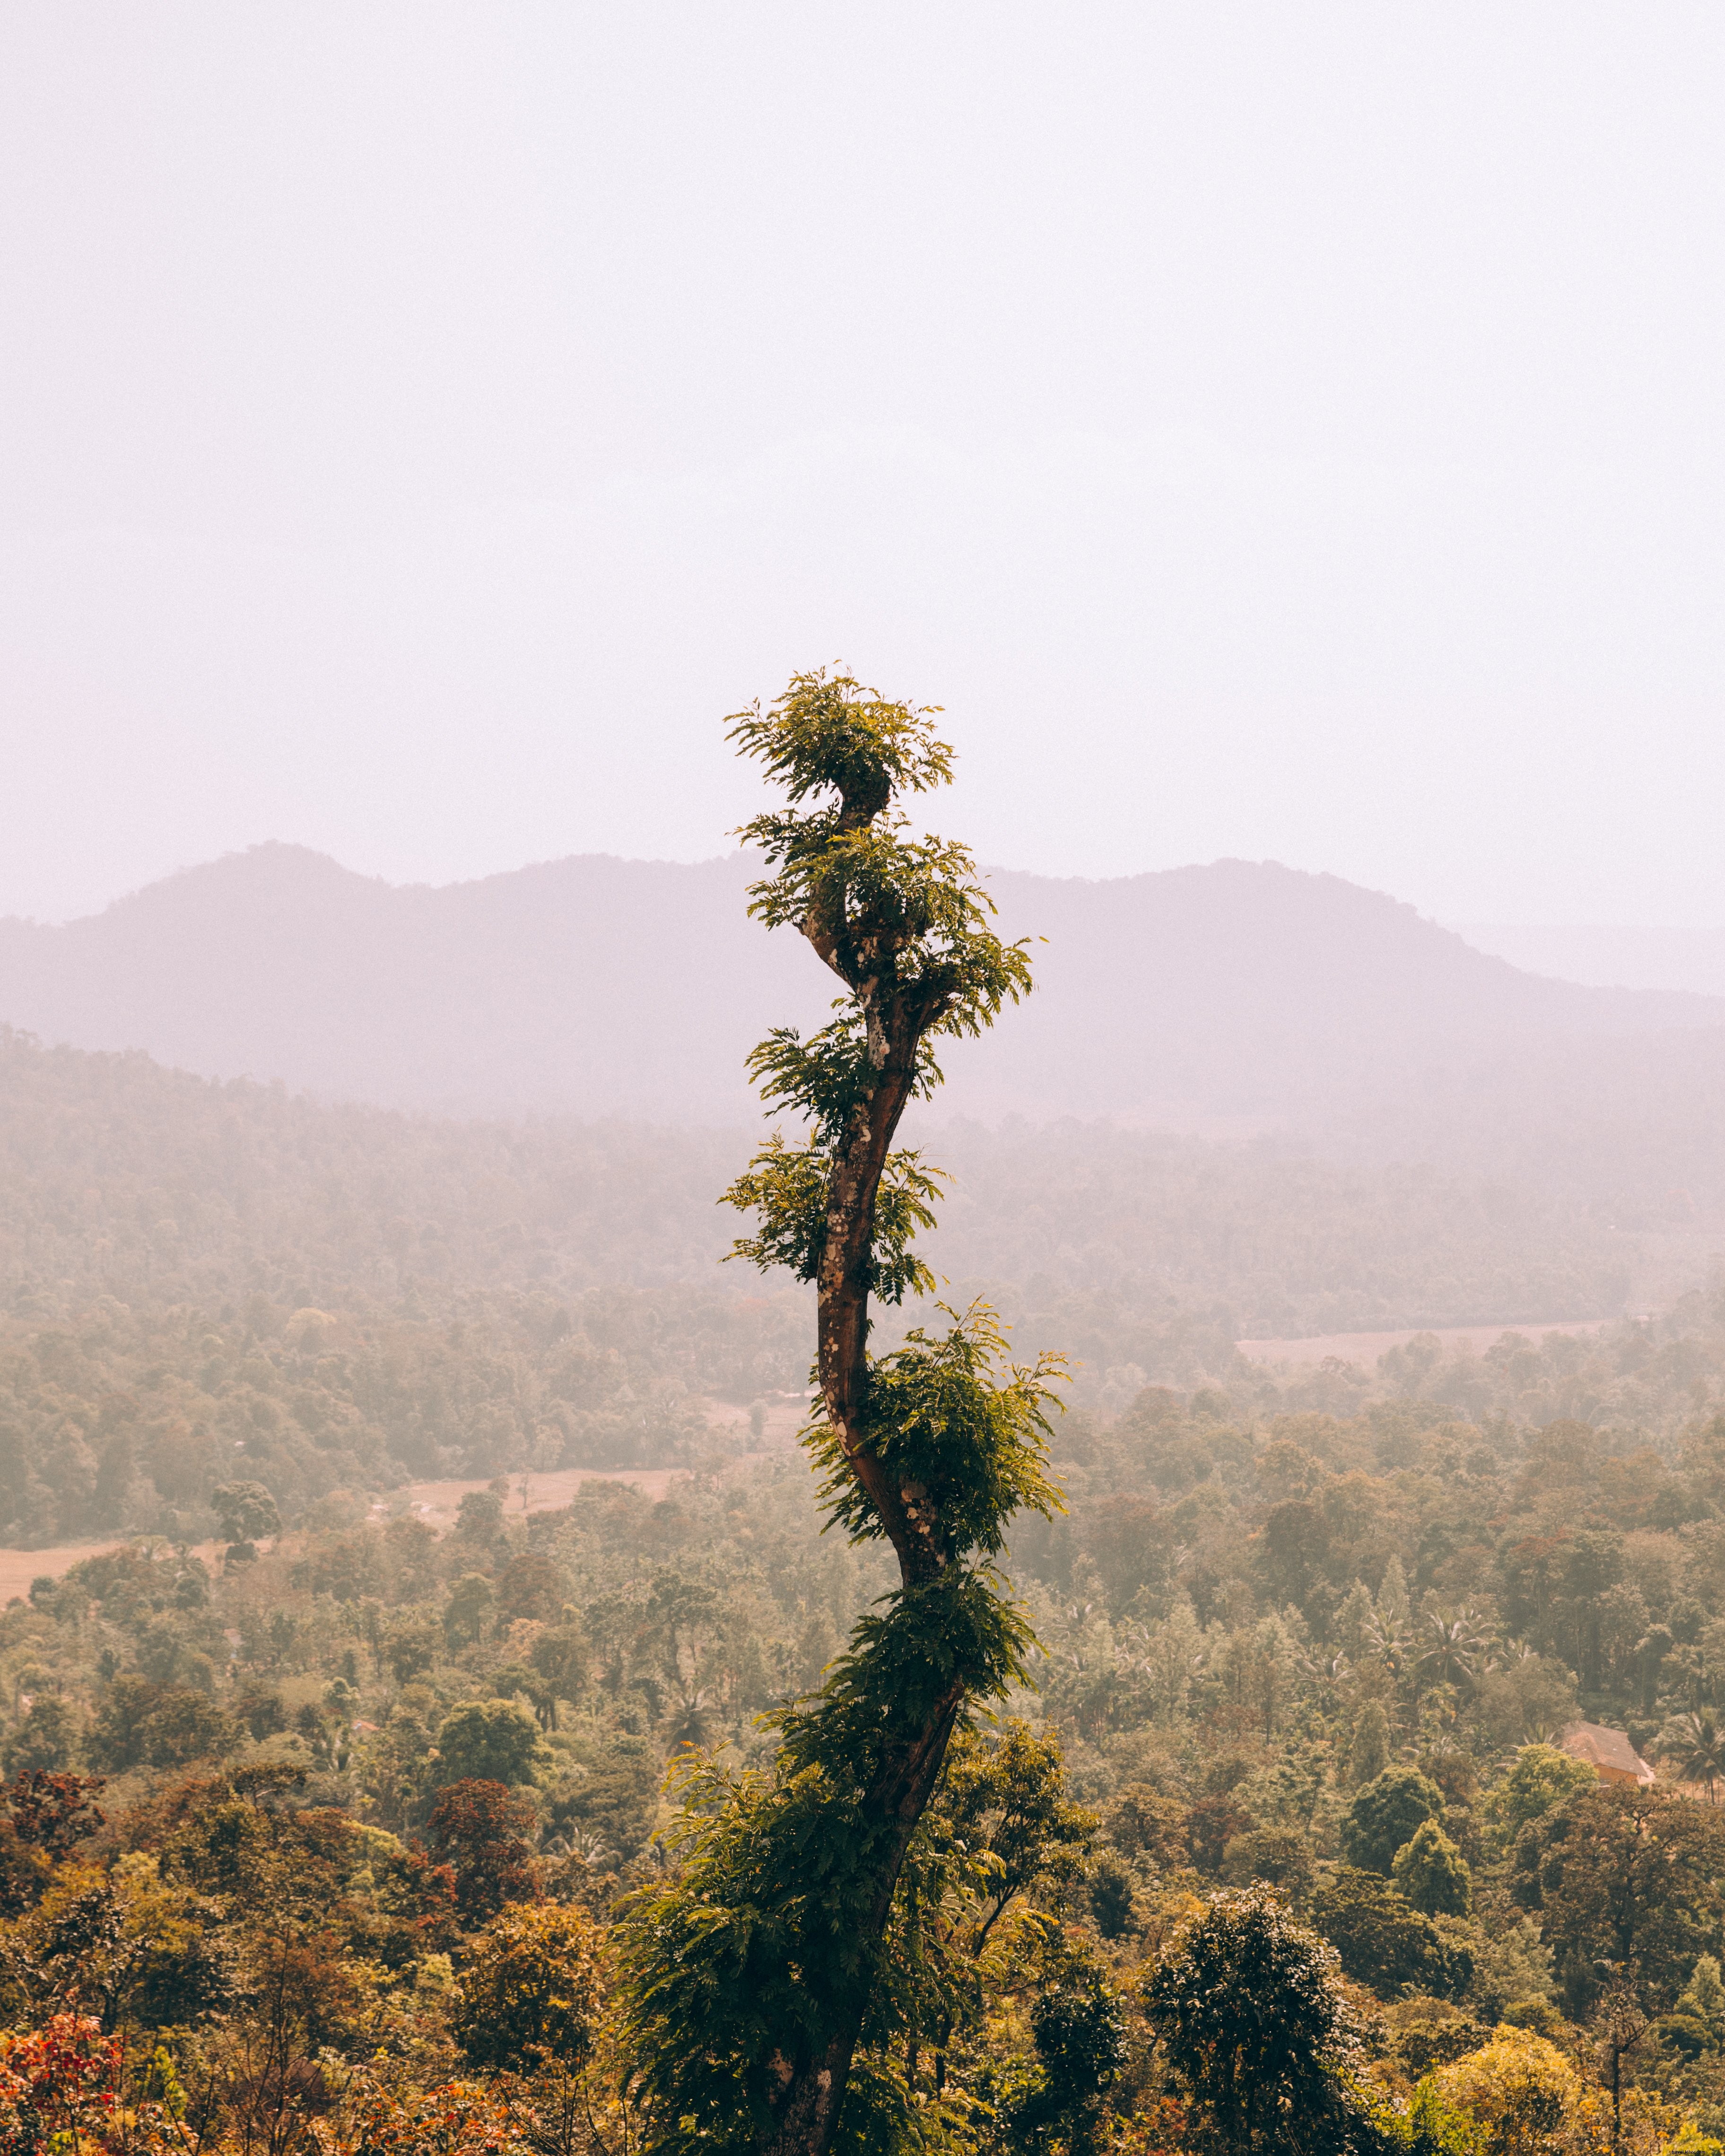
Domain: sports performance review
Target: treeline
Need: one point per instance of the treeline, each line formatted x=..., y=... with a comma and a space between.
x=152, y=1186
x=194, y=1275
x=120, y=1415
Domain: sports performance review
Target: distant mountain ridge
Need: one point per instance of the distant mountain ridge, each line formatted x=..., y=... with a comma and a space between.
x=1240, y=995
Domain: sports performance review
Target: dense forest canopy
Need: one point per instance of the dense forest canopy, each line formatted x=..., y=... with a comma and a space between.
x=312, y=1810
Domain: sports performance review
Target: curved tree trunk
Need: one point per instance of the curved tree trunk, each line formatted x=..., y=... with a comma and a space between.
x=807, y=2114
x=900, y=921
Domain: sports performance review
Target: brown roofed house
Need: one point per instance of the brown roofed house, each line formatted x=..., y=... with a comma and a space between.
x=1608, y=1752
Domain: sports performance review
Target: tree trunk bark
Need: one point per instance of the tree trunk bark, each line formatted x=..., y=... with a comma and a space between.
x=809, y=2109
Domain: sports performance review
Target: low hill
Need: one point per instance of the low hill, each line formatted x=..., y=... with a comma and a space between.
x=1235, y=997
x=121, y=1180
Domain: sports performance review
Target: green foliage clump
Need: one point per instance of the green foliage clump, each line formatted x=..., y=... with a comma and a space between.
x=1384, y=1943
x=1079, y=2026
x=533, y=1994
x=1006, y=1801
x=1542, y=1778
x=246, y=1511
x=787, y=1185
x=1436, y=2126
x=491, y=1740
x=1247, y=2008
x=1386, y=1814
x=1430, y=1874
x=966, y=1448
x=1628, y=1878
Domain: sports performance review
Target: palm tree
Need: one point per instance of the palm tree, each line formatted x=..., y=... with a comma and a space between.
x=1694, y=1744
x=1452, y=1647
x=691, y=1722
x=1392, y=1642
x=1327, y=1672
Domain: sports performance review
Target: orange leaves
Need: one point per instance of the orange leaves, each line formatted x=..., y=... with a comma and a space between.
x=58, y=2086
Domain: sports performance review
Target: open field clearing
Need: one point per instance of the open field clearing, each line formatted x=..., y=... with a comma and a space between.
x=1365, y=1347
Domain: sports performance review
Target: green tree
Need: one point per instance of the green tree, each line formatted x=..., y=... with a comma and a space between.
x=532, y=1994
x=612, y=1806
x=1078, y=2024
x=1253, y=2022
x=1696, y=2023
x=561, y=1657
x=1704, y=1995
x=1512, y=1966
x=479, y=1518
x=750, y=1979
x=1382, y=1942
x=532, y=1584
x=1386, y=1816
x=1694, y=1746
x=1450, y=1648
x=144, y=1724
x=1143, y=1822
x=46, y=1738
x=117, y=1737
x=1007, y=1801
x=1542, y=1778
x=1626, y=1879
x=186, y=1725
x=246, y=1511
x=410, y=1644
x=1276, y=1856
x=1430, y=1875
x=1368, y=1753
x=468, y=1610
x=1438, y=2126
x=490, y=1740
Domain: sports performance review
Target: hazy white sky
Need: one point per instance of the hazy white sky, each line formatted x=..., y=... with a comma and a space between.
x=1269, y=431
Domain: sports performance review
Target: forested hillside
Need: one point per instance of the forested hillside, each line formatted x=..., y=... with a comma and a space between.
x=123, y=1178
x=354, y=1296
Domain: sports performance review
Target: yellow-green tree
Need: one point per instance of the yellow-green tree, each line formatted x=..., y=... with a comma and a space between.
x=1521, y=2092
x=1429, y=1871
x=533, y=1994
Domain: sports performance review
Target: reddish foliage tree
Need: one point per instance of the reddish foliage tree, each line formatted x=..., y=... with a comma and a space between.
x=59, y=2086
x=53, y=1812
x=477, y=1829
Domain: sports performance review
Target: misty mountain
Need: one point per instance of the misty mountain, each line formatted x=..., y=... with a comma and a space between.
x=1237, y=996
x=1691, y=958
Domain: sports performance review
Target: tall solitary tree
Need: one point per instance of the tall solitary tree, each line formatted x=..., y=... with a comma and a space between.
x=764, y=2011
